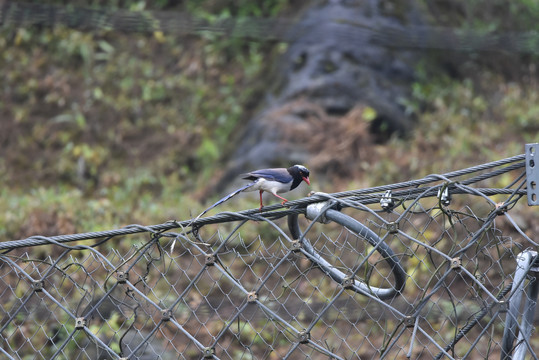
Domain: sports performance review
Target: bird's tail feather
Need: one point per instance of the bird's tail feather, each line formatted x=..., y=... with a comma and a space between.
x=232, y=194
x=228, y=197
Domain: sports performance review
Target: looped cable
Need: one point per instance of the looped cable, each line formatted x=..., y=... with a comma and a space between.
x=337, y=275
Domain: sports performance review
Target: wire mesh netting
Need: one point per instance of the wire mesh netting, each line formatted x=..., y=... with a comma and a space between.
x=432, y=268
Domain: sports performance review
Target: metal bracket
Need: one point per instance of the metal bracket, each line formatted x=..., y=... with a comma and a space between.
x=504, y=306
x=166, y=315
x=122, y=277
x=304, y=337
x=209, y=260
x=456, y=263
x=409, y=321
x=296, y=246
x=348, y=282
x=386, y=202
x=480, y=279
x=314, y=209
x=444, y=195
x=208, y=353
x=252, y=297
x=532, y=173
x=392, y=227
x=37, y=285
x=80, y=323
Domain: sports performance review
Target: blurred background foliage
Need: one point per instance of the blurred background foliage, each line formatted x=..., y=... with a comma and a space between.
x=101, y=129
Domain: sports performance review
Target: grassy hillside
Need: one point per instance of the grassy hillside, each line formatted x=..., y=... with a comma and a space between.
x=102, y=129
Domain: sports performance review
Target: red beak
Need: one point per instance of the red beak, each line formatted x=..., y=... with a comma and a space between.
x=306, y=179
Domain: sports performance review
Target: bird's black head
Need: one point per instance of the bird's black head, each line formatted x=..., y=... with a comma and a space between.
x=299, y=173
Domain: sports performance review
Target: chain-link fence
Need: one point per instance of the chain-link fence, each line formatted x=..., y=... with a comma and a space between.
x=432, y=268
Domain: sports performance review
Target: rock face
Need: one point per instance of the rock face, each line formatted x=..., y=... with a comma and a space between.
x=335, y=61
x=333, y=65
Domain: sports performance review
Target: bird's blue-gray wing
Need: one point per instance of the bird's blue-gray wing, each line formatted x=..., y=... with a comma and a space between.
x=280, y=175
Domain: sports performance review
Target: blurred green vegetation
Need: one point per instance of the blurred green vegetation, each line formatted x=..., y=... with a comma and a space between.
x=102, y=129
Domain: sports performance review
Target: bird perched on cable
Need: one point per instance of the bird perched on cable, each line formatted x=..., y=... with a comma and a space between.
x=275, y=181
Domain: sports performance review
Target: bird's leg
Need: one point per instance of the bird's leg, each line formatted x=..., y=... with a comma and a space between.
x=282, y=198
x=261, y=205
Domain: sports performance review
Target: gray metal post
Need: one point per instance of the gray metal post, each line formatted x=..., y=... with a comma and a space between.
x=532, y=173
x=526, y=264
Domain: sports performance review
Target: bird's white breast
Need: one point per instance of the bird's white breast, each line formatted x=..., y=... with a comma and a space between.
x=274, y=187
